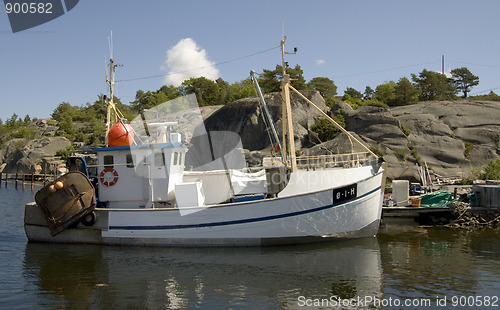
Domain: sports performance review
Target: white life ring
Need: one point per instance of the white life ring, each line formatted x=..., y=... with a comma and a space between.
x=109, y=177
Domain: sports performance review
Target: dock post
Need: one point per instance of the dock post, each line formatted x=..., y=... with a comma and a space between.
x=17, y=175
x=6, y=178
x=45, y=175
x=32, y=180
x=24, y=180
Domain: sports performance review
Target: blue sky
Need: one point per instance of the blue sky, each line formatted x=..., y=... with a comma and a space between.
x=354, y=43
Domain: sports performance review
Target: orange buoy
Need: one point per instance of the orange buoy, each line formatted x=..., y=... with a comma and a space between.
x=120, y=135
x=59, y=185
x=52, y=188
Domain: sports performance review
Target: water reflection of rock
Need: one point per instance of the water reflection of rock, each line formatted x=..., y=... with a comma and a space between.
x=65, y=274
x=421, y=262
x=154, y=278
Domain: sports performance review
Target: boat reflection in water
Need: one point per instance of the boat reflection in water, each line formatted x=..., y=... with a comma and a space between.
x=70, y=276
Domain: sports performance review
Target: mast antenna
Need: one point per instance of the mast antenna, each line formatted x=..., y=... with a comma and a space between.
x=112, y=114
x=110, y=42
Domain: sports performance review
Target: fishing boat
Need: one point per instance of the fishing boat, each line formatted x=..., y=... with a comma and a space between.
x=164, y=180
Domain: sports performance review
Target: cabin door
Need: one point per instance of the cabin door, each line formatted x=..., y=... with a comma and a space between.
x=158, y=177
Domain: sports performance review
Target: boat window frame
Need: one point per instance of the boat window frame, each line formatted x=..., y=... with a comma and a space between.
x=159, y=161
x=108, y=161
x=175, y=159
x=129, y=160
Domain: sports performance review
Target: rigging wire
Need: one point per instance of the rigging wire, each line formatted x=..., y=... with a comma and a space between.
x=383, y=70
x=483, y=91
x=216, y=64
x=474, y=64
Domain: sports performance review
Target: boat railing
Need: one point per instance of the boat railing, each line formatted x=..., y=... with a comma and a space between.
x=347, y=160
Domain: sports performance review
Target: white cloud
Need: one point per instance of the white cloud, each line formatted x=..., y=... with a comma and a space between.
x=186, y=60
x=320, y=62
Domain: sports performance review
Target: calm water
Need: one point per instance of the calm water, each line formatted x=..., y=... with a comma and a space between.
x=402, y=266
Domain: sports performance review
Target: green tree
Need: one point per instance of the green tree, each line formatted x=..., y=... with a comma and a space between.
x=490, y=172
x=224, y=90
x=385, y=93
x=147, y=100
x=12, y=122
x=324, y=85
x=368, y=94
x=353, y=102
x=326, y=130
x=297, y=76
x=242, y=89
x=375, y=103
x=64, y=110
x=464, y=80
x=68, y=127
x=207, y=91
x=430, y=84
x=490, y=96
x=94, y=132
x=326, y=88
x=353, y=93
x=170, y=91
x=270, y=80
x=405, y=93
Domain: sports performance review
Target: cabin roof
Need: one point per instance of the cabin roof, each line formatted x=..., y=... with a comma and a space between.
x=139, y=147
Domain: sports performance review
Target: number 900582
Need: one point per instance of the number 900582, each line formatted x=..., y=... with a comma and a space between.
x=28, y=8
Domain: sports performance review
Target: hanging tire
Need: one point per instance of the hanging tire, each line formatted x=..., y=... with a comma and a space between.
x=89, y=219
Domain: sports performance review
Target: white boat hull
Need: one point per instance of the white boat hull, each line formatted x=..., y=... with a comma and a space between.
x=310, y=217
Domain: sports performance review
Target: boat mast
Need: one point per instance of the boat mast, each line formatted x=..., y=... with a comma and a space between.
x=111, y=113
x=268, y=120
x=288, y=135
x=288, y=127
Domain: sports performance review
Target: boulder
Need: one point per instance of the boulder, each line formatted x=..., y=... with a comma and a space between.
x=46, y=127
x=377, y=124
x=245, y=118
x=35, y=155
x=484, y=135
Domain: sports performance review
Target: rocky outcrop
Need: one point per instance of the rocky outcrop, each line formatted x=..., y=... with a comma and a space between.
x=36, y=156
x=451, y=137
x=244, y=117
x=46, y=127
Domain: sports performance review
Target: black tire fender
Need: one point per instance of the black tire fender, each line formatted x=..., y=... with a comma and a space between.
x=89, y=219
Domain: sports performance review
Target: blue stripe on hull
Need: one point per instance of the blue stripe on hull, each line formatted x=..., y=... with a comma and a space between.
x=242, y=221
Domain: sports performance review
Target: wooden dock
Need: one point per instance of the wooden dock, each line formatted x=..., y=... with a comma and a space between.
x=24, y=178
x=411, y=212
x=420, y=215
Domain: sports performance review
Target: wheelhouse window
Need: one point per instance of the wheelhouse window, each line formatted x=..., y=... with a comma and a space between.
x=108, y=161
x=130, y=160
x=176, y=156
x=159, y=159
